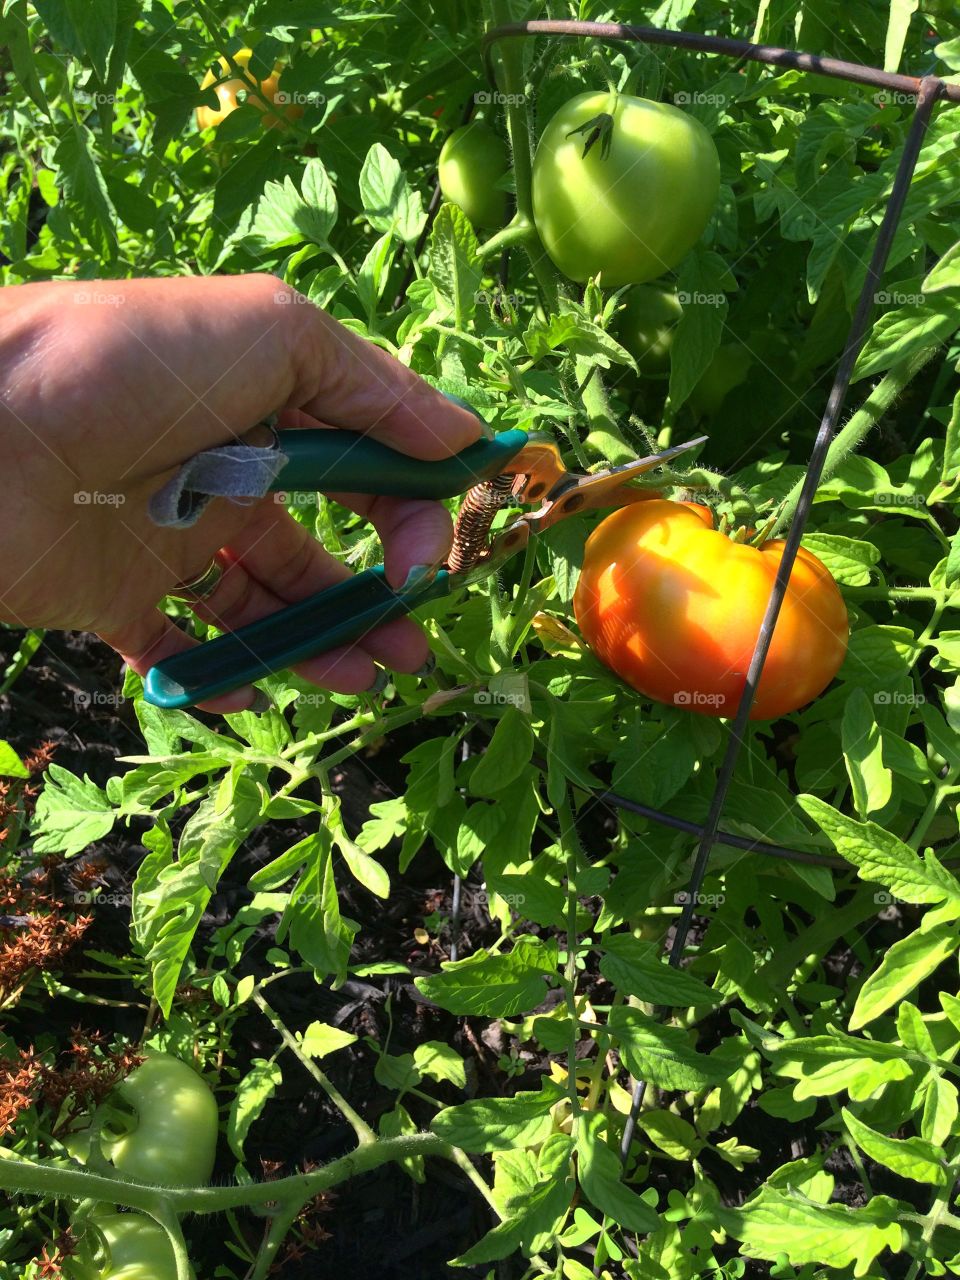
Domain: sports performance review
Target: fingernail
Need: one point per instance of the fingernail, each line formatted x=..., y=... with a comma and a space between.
x=261, y=702
x=380, y=682
x=428, y=667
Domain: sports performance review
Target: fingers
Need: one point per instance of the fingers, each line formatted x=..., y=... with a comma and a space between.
x=413, y=531
x=148, y=639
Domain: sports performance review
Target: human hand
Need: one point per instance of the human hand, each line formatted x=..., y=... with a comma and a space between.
x=109, y=386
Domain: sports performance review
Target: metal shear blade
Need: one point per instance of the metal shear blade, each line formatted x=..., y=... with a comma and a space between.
x=566, y=492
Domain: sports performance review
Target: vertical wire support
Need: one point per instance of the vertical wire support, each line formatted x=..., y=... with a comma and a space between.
x=930, y=91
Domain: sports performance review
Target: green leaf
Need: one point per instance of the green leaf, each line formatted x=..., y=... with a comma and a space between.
x=599, y=1171
x=880, y=857
x=319, y=1040
x=673, y=1135
x=500, y=1124
x=96, y=26
x=909, y=1157
x=71, y=813
x=663, y=1055
x=535, y=1214
x=496, y=986
x=507, y=754
x=849, y=560
x=824, y=1065
x=776, y=1224
x=15, y=35
x=11, y=766
x=903, y=333
x=86, y=191
x=454, y=266
x=702, y=287
x=870, y=779
x=312, y=917
x=439, y=1061
x=903, y=967
x=636, y=969
x=251, y=1095
x=389, y=203
x=283, y=216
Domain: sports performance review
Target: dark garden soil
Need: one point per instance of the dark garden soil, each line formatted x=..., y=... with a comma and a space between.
x=384, y=1224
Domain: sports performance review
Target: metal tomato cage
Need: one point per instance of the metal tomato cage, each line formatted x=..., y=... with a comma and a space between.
x=927, y=91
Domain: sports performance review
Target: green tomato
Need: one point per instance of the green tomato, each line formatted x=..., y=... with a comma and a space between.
x=728, y=369
x=472, y=161
x=623, y=187
x=646, y=326
x=174, y=1141
x=137, y=1249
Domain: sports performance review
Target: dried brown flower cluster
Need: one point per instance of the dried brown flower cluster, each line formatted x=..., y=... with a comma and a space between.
x=41, y=936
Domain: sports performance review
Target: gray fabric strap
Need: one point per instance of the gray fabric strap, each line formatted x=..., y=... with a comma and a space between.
x=241, y=472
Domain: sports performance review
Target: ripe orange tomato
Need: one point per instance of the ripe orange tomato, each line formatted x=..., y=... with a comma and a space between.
x=674, y=607
x=261, y=95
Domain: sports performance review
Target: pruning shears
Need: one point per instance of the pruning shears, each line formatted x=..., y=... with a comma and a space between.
x=513, y=468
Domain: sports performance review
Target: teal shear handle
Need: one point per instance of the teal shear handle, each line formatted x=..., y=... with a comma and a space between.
x=339, y=615
x=345, y=462
x=342, y=462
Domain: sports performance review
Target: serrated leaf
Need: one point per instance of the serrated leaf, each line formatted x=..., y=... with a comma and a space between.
x=909, y=1157
x=500, y=1124
x=599, y=1171
x=70, y=814
x=902, y=968
x=494, y=985
x=455, y=268
x=636, y=969
x=870, y=779
x=251, y=1095
x=389, y=203
x=880, y=857
x=320, y=1039
x=664, y=1055
x=825, y=1065
x=777, y=1224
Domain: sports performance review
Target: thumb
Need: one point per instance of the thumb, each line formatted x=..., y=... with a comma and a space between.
x=346, y=381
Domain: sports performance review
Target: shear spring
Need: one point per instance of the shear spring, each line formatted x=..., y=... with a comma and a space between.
x=480, y=505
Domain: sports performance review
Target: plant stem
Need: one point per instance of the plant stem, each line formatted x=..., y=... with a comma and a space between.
x=863, y=421
x=360, y=1127
x=518, y=127
x=570, y=846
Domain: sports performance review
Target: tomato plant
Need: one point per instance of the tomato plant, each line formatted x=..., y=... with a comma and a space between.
x=134, y=1248
x=622, y=186
x=260, y=94
x=674, y=607
x=511, y=835
x=173, y=1138
x=472, y=162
